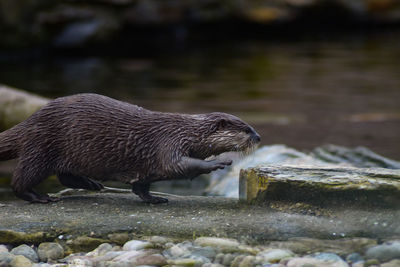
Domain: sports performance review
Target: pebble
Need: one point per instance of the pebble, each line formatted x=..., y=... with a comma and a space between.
x=202, y=252
x=384, y=252
x=273, y=255
x=136, y=245
x=308, y=261
x=100, y=250
x=223, y=244
x=6, y=257
x=26, y=251
x=331, y=258
x=49, y=251
x=354, y=257
x=3, y=248
x=20, y=261
x=392, y=263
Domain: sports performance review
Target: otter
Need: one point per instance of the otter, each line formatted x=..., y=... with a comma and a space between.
x=87, y=138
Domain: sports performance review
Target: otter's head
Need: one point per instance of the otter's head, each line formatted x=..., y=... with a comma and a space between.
x=227, y=133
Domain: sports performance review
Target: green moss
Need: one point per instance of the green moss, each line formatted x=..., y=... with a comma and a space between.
x=12, y=237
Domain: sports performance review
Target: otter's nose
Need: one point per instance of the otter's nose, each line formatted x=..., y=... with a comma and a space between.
x=256, y=137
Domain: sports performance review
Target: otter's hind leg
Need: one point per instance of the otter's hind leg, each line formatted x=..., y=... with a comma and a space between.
x=79, y=182
x=27, y=176
x=142, y=190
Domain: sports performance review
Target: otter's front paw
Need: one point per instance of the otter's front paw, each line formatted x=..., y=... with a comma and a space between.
x=218, y=164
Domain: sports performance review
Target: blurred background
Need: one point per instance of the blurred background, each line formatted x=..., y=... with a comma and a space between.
x=303, y=72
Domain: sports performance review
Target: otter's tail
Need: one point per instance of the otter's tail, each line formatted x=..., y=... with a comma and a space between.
x=9, y=145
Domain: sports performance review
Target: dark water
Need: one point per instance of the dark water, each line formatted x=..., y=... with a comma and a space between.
x=344, y=90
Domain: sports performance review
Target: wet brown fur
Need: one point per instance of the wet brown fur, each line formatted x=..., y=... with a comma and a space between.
x=88, y=136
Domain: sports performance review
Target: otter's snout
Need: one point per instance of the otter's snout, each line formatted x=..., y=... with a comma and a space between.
x=256, y=137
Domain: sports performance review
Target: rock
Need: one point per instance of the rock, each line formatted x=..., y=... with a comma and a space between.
x=136, y=245
x=85, y=243
x=130, y=255
x=13, y=237
x=228, y=259
x=149, y=260
x=17, y=105
x=392, y=263
x=310, y=245
x=26, y=251
x=159, y=240
x=100, y=250
x=354, y=257
x=226, y=183
x=184, y=262
x=6, y=257
x=274, y=255
x=49, y=251
x=179, y=250
x=224, y=244
x=204, y=252
x=321, y=185
x=361, y=157
x=330, y=258
x=3, y=248
x=384, y=252
x=80, y=263
x=212, y=265
x=20, y=261
x=41, y=265
x=247, y=261
x=371, y=263
x=307, y=261
x=109, y=256
x=119, y=238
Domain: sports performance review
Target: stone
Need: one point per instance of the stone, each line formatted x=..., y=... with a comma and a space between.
x=3, y=248
x=274, y=255
x=179, y=250
x=20, y=261
x=81, y=263
x=308, y=261
x=6, y=257
x=26, y=251
x=384, y=252
x=247, y=261
x=17, y=105
x=321, y=185
x=212, y=265
x=119, y=238
x=354, y=257
x=100, y=250
x=301, y=245
x=137, y=245
x=206, y=252
x=50, y=251
x=392, y=263
x=184, y=262
x=130, y=255
x=330, y=258
x=85, y=243
x=41, y=265
x=150, y=260
x=224, y=244
x=160, y=240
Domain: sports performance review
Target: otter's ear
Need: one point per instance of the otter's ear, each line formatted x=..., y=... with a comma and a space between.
x=221, y=124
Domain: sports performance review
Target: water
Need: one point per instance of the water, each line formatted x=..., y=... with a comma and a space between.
x=343, y=90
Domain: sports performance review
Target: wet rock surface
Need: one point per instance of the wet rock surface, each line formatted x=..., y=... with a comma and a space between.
x=101, y=214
